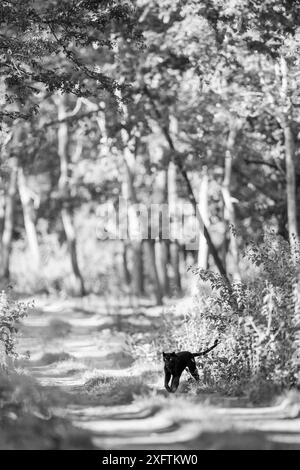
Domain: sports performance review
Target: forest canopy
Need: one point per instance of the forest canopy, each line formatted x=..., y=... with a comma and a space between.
x=165, y=102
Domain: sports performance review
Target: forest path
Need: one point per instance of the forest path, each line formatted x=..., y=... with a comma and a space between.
x=81, y=356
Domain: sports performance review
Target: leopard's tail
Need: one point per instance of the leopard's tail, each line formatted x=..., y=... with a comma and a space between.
x=202, y=353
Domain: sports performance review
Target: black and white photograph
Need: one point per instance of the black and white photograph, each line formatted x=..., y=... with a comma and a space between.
x=149, y=228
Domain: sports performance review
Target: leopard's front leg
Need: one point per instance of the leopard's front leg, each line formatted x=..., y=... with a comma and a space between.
x=167, y=379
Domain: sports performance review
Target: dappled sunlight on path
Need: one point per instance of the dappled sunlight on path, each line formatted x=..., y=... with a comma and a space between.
x=79, y=353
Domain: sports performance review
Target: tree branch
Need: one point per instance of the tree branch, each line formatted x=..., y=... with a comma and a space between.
x=71, y=117
x=262, y=162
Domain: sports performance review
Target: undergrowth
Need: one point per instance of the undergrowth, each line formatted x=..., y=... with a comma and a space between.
x=115, y=390
x=11, y=312
x=256, y=320
x=26, y=419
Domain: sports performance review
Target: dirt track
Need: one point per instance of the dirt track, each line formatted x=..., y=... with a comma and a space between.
x=122, y=416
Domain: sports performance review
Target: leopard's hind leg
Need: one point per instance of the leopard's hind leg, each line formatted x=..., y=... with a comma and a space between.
x=193, y=369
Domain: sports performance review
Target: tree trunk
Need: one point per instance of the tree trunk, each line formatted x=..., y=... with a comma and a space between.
x=174, y=246
x=203, y=206
x=290, y=184
x=138, y=268
x=64, y=190
x=161, y=246
x=289, y=157
x=153, y=270
x=289, y=143
x=203, y=252
x=175, y=261
x=229, y=211
x=29, y=219
x=129, y=192
x=2, y=211
x=162, y=257
x=69, y=228
x=7, y=234
x=127, y=276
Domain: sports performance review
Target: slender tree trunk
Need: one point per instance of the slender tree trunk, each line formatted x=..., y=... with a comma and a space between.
x=29, y=219
x=138, y=268
x=289, y=143
x=64, y=189
x=174, y=246
x=203, y=206
x=290, y=184
x=153, y=270
x=127, y=276
x=203, y=252
x=161, y=246
x=129, y=193
x=161, y=253
x=69, y=228
x=8, y=225
x=175, y=261
x=229, y=211
x=2, y=211
x=134, y=276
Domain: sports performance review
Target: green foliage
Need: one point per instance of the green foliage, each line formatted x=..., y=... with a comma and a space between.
x=51, y=358
x=11, y=312
x=114, y=390
x=54, y=45
x=257, y=321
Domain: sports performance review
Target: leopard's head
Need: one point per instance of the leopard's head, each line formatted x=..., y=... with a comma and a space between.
x=169, y=357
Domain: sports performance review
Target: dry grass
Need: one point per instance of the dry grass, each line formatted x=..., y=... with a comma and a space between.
x=116, y=390
x=50, y=358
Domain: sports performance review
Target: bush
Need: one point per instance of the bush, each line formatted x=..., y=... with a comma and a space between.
x=257, y=320
x=11, y=312
x=58, y=328
x=51, y=358
x=115, y=390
